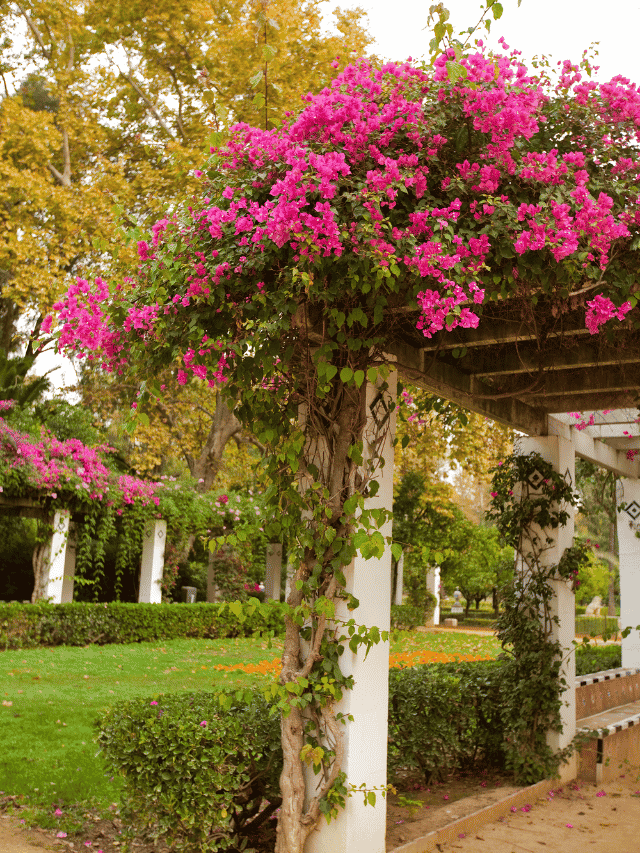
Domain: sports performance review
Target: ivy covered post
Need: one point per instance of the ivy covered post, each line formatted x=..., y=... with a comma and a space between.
x=628, y=526
x=152, y=563
x=533, y=506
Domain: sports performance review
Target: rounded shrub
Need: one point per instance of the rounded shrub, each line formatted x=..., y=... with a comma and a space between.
x=200, y=770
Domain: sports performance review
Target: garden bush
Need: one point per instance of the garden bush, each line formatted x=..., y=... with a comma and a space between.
x=406, y=617
x=201, y=769
x=597, y=658
x=81, y=623
x=595, y=625
x=444, y=717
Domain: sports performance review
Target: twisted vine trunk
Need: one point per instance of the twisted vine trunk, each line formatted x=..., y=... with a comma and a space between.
x=300, y=812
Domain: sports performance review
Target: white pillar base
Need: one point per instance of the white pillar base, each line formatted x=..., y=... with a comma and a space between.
x=273, y=572
x=152, y=563
x=69, y=568
x=54, y=562
x=628, y=524
x=399, y=581
x=561, y=454
x=433, y=586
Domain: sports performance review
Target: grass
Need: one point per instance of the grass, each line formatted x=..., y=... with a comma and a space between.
x=51, y=697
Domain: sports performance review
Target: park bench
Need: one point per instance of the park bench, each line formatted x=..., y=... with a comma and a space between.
x=608, y=704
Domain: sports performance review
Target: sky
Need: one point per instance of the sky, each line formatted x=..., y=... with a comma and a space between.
x=562, y=29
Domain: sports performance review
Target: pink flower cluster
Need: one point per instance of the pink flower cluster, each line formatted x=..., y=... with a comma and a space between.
x=55, y=468
x=366, y=175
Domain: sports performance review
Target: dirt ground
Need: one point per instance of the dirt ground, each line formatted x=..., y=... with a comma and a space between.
x=604, y=819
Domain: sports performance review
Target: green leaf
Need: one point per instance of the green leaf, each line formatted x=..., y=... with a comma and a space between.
x=359, y=377
x=255, y=80
x=268, y=52
x=497, y=10
x=455, y=71
x=346, y=375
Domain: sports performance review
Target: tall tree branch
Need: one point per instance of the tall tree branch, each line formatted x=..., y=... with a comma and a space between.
x=35, y=31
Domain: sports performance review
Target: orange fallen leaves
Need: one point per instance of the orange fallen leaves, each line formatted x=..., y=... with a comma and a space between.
x=272, y=667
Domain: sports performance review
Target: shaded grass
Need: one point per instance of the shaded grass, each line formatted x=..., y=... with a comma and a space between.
x=51, y=697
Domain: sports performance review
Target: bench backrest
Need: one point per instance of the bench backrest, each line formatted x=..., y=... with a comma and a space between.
x=603, y=690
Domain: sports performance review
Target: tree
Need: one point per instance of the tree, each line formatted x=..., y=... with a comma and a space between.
x=476, y=561
x=396, y=190
x=599, y=513
x=112, y=110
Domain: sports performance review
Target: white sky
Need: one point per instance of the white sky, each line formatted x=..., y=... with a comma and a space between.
x=562, y=28
x=558, y=28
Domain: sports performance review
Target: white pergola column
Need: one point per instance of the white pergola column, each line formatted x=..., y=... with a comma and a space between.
x=397, y=599
x=69, y=567
x=628, y=524
x=53, y=567
x=274, y=571
x=359, y=828
x=433, y=586
x=560, y=453
x=152, y=563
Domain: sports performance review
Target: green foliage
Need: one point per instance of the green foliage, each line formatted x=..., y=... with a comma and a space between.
x=197, y=768
x=78, y=624
x=405, y=617
x=596, y=626
x=597, y=658
x=446, y=716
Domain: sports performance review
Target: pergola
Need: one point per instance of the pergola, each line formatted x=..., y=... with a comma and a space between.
x=528, y=368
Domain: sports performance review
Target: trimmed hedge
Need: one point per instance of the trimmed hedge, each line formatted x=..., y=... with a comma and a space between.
x=82, y=623
x=446, y=716
x=595, y=626
x=597, y=658
x=196, y=772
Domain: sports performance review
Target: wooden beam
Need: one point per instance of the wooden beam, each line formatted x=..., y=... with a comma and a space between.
x=445, y=381
x=491, y=332
x=594, y=450
x=525, y=358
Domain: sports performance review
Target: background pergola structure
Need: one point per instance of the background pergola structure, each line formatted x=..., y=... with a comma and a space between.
x=529, y=368
x=526, y=367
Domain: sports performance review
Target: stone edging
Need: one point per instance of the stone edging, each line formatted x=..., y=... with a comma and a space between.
x=473, y=822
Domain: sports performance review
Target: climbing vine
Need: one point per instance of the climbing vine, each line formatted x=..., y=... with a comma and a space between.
x=530, y=500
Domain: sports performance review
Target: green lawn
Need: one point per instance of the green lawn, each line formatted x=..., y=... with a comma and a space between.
x=51, y=696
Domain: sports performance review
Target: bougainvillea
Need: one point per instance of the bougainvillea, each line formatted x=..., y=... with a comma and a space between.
x=398, y=194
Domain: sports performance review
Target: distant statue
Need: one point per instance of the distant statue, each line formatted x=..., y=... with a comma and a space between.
x=594, y=607
x=457, y=597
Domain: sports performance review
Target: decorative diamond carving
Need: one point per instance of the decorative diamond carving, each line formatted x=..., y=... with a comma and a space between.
x=535, y=479
x=379, y=410
x=567, y=478
x=633, y=510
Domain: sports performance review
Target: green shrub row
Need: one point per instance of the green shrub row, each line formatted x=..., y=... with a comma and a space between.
x=597, y=658
x=81, y=623
x=596, y=625
x=405, y=617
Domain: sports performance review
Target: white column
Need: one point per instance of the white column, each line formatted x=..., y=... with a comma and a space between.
x=152, y=563
x=274, y=571
x=433, y=586
x=629, y=553
x=399, y=581
x=54, y=562
x=359, y=828
x=560, y=453
x=69, y=567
